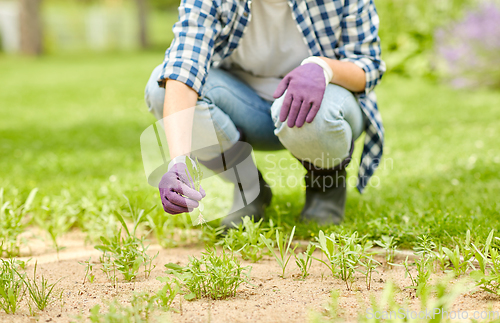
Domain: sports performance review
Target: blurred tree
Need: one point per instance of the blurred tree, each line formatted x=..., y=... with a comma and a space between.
x=142, y=15
x=30, y=27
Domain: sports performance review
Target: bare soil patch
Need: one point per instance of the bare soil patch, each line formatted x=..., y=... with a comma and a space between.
x=270, y=299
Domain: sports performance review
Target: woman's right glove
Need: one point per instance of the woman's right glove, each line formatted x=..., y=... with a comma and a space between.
x=177, y=190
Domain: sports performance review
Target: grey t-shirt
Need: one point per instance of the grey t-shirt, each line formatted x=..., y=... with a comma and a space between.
x=271, y=47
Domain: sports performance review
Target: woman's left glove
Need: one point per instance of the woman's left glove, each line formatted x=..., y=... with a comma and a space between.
x=305, y=87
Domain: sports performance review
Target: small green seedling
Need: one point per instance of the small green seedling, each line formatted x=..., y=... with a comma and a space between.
x=482, y=255
x=304, y=259
x=13, y=219
x=89, y=266
x=284, y=254
x=245, y=239
x=127, y=254
x=214, y=276
x=461, y=257
x=140, y=310
x=488, y=280
x=39, y=290
x=211, y=235
x=12, y=288
x=166, y=295
x=344, y=254
x=389, y=245
x=370, y=265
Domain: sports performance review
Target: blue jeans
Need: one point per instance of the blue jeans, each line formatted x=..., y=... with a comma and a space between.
x=232, y=104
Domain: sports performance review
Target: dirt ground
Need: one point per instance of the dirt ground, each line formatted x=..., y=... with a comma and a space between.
x=271, y=299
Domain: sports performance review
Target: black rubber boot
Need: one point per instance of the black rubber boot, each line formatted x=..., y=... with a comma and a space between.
x=246, y=186
x=255, y=209
x=326, y=192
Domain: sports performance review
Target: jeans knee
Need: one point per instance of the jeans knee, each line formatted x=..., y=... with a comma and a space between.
x=325, y=141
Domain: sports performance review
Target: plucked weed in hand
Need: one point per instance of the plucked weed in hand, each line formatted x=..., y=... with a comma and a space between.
x=12, y=287
x=127, y=254
x=195, y=173
x=13, y=221
x=214, y=276
x=284, y=252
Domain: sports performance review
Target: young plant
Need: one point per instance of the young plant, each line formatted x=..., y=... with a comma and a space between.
x=343, y=254
x=13, y=220
x=166, y=295
x=210, y=235
x=482, y=255
x=424, y=250
x=245, y=239
x=389, y=245
x=461, y=256
x=89, y=266
x=127, y=254
x=406, y=265
x=442, y=258
x=488, y=280
x=370, y=265
x=214, y=276
x=59, y=216
x=304, y=259
x=12, y=287
x=284, y=254
x=39, y=291
x=140, y=311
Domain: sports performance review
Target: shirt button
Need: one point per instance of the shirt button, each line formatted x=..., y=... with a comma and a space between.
x=245, y=14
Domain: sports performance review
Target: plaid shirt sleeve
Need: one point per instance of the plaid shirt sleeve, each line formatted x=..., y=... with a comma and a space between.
x=188, y=58
x=359, y=42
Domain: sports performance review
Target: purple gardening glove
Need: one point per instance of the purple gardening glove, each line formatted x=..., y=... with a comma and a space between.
x=177, y=192
x=305, y=87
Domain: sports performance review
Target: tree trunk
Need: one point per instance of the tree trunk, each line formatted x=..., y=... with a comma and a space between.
x=142, y=12
x=30, y=27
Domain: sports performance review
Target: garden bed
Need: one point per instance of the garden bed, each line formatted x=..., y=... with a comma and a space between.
x=270, y=299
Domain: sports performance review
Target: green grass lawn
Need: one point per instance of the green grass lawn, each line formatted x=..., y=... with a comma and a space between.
x=70, y=125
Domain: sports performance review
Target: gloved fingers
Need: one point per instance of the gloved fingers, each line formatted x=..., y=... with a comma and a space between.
x=185, y=178
x=303, y=113
x=202, y=192
x=180, y=200
x=294, y=112
x=171, y=208
x=187, y=191
x=285, y=107
x=282, y=86
x=312, y=113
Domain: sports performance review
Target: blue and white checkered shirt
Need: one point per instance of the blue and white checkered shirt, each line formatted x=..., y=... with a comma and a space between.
x=209, y=30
